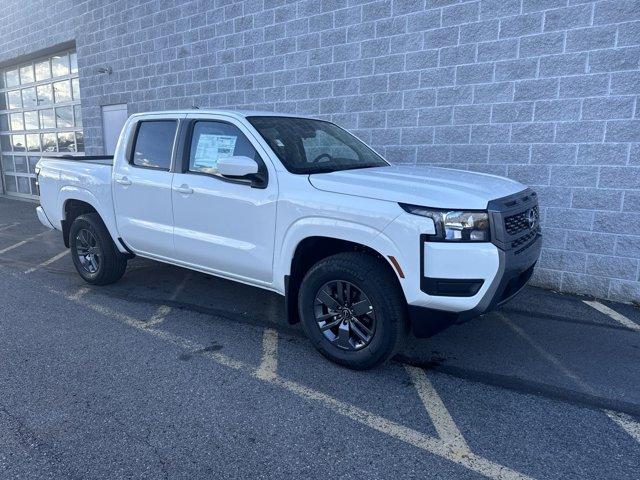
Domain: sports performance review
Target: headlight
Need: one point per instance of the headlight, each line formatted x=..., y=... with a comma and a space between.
x=455, y=225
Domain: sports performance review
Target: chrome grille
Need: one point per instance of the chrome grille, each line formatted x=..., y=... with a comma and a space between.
x=518, y=222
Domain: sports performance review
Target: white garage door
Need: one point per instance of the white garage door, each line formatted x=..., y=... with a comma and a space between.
x=39, y=114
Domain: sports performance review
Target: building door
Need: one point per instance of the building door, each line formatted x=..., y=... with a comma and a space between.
x=39, y=115
x=113, y=119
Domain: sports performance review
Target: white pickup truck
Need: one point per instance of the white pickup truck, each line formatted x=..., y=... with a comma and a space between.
x=362, y=251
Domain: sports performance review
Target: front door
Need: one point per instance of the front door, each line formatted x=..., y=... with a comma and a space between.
x=224, y=225
x=142, y=188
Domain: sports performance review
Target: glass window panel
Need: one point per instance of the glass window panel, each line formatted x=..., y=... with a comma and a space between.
x=47, y=118
x=29, y=97
x=80, y=141
x=26, y=74
x=4, y=122
x=7, y=163
x=60, y=65
x=10, y=183
x=154, y=144
x=45, y=96
x=21, y=164
x=32, y=164
x=48, y=142
x=18, y=143
x=12, y=78
x=16, y=122
x=5, y=143
x=212, y=141
x=14, y=100
x=33, y=142
x=24, y=185
x=3, y=100
x=75, y=87
x=31, y=120
x=77, y=112
x=43, y=70
x=74, y=62
x=64, y=116
x=66, y=142
x=62, y=91
x=34, y=187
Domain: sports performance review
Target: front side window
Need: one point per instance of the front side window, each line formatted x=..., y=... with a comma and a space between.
x=154, y=144
x=307, y=146
x=212, y=141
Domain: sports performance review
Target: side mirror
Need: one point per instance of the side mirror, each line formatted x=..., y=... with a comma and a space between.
x=237, y=166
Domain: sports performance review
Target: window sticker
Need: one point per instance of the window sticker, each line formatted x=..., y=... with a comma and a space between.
x=211, y=148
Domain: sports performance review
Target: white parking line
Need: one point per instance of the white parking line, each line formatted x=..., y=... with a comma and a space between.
x=269, y=364
x=163, y=311
x=550, y=358
x=407, y=435
x=618, y=317
x=47, y=262
x=81, y=292
x=440, y=416
x=627, y=423
x=621, y=419
x=8, y=226
x=19, y=244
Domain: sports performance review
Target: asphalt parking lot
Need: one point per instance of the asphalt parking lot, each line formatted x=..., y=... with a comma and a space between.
x=175, y=374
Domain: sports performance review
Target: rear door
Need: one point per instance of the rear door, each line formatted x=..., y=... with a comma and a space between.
x=142, y=186
x=222, y=224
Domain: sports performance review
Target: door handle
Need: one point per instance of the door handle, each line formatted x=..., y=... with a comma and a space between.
x=184, y=189
x=123, y=181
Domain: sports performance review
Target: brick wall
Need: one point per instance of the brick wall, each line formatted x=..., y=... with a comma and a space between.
x=542, y=91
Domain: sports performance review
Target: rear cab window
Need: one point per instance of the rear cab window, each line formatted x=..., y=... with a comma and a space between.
x=153, y=144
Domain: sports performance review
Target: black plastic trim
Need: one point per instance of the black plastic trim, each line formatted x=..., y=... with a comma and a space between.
x=450, y=287
x=124, y=245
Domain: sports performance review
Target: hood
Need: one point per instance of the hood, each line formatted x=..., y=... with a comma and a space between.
x=425, y=186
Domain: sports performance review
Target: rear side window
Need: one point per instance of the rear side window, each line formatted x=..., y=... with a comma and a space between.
x=154, y=144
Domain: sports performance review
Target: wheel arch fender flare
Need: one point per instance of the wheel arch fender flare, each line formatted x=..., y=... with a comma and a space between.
x=69, y=193
x=329, y=228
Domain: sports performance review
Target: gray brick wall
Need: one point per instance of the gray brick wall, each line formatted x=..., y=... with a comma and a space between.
x=542, y=91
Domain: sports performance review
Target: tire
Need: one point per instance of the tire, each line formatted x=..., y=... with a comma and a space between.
x=88, y=234
x=373, y=281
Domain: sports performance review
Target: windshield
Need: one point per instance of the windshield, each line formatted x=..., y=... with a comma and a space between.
x=312, y=146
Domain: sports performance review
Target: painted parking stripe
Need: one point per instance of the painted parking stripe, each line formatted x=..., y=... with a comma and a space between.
x=8, y=226
x=19, y=244
x=163, y=311
x=407, y=435
x=269, y=365
x=627, y=423
x=618, y=317
x=440, y=416
x=623, y=420
x=48, y=262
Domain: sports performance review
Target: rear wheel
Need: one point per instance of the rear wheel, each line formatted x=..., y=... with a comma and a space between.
x=94, y=254
x=352, y=310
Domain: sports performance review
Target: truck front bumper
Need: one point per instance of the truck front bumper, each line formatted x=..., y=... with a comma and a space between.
x=513, y=273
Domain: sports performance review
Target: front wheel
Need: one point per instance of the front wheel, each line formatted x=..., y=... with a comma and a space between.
x=94, y=254
x=352, y=310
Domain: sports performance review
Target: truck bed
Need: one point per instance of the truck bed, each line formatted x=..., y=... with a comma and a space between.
x=95, y=159
x=83, y=178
